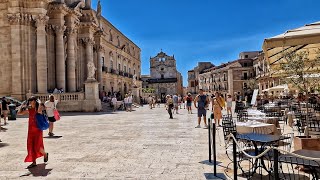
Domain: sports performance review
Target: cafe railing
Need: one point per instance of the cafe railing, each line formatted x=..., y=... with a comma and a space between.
x=282, y=164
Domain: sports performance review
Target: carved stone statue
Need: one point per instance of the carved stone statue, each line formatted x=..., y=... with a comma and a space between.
x=134, y=81
x=91, y=70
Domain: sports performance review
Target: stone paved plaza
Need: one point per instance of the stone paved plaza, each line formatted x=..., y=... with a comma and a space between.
x=144, y=144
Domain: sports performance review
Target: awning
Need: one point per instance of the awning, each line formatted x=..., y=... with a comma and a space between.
x=304, y=38
x=283, y=87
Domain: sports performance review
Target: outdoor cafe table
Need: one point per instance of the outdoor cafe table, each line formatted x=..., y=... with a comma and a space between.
x=260, y=142
x=254, y=126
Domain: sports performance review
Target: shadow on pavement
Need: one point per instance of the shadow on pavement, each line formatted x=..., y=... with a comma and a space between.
x=3, y=144
x=53, y=137
x=210, y=176
x=38, y=171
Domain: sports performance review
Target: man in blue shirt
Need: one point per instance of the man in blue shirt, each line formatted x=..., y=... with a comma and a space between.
x=201, y=102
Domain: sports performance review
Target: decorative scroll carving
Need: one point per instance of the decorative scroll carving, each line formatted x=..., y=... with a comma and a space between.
x=100, y=48
x=59, y=29
x=41, y=20
x=87, y=41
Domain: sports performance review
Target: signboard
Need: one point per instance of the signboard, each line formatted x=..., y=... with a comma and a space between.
x=254, y=97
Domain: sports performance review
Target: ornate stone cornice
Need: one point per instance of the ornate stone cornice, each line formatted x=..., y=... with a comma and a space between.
x=58, y=7
x=41, y=20
x=87, y=41
x=59, y=29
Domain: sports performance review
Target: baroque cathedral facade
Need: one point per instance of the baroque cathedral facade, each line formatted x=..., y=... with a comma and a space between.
x=48, y=44
x=164, y=77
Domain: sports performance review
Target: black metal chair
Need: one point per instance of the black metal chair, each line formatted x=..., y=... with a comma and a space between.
x=293, y=167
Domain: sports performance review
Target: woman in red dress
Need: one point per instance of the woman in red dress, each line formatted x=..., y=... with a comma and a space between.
x=35, y=137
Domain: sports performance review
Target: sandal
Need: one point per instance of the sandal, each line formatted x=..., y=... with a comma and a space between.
x=46, y=158
x=31, y=166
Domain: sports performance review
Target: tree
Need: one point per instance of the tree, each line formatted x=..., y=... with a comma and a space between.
x=299, y=70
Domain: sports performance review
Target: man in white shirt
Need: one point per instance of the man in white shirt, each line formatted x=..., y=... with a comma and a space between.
x=114, y=103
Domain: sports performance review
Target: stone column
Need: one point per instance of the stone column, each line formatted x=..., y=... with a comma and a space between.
x=42, y=65
x=99, y=65
x=71, y=60
x=60, y=57
x=16, y=65
x=89, y=53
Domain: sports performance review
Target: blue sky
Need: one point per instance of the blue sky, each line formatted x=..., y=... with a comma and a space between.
x=205, y=30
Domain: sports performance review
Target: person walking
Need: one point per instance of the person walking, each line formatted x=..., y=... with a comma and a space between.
x=201, y=102
x=170, y=106
x=229, y=105
x=50, y=106
x=125, y=101
x=150, y=101
x=130, y=102
x=189, y=103
x=4, y=110
x=114, y=103
x=218, y=104
x=35, y=145
x=176, y=103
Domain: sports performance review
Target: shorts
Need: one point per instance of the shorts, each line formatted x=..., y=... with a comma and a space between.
x=202, y=112
x=129, y=105
x=189, y=104
x=51, y=119
x=5, y=113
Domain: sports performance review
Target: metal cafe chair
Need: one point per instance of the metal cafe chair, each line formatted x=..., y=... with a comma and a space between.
x=297, y=168
x=242, y=116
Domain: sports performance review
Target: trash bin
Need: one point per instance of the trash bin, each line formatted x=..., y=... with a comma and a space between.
x=12, y=112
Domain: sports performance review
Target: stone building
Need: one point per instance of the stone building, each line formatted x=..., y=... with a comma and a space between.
x=264, y=77
x=164, y=76
x=229, y=78
x=49, y=44
x=193, y=76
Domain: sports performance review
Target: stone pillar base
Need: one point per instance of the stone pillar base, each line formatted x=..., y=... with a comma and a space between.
x=92, y=102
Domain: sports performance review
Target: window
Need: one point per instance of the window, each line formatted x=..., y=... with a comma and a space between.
x=102, y=61
x=245, y=76
x=134, y=71
x=245, y=64
x=192, y=84
x=162, y=76
x=246, y=56
x=129, y=71
x=119, y=67
x=125, y=69
x=111, y=64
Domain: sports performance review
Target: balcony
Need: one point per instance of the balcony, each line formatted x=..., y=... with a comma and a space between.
x=121, y=73
x=113, y=71
x=125, y=74
x=130, y=76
